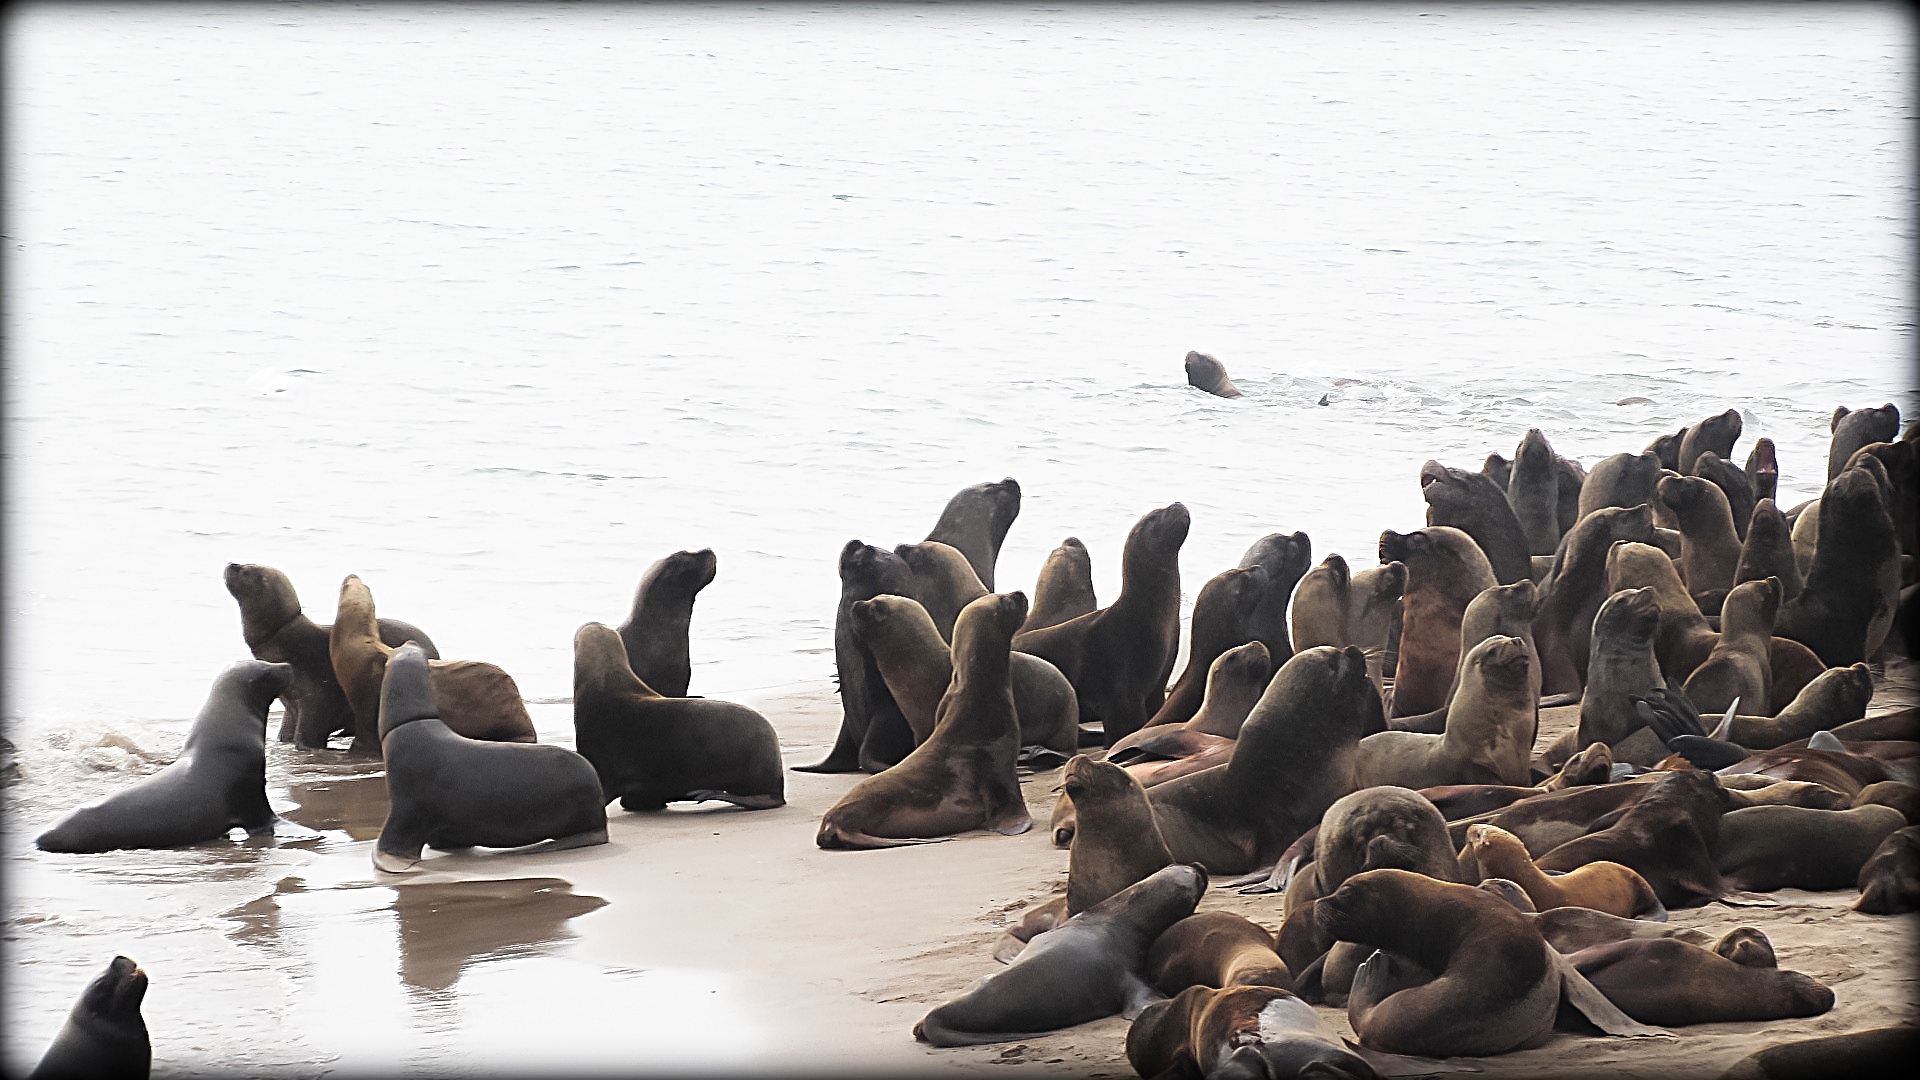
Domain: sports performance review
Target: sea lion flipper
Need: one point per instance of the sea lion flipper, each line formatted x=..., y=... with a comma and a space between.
x=1725, y=728
x=1275, y=882
x=1826, y=740
x=1587, y=998
x=1009, y=825
x=1138, y=996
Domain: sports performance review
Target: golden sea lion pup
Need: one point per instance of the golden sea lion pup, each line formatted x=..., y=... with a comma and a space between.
x=1602, y=886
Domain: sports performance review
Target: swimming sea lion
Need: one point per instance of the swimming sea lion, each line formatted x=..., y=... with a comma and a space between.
x=976, y=521
x=1602, y=886
x=1846, y=608
x=1767, y=550
x=1715, y=433
x=1089, y=967
x=1208, y=374
x=1668, y=836
x=1119, y=657
x=1740, y=667
x=1709, y=545
x=873, y=734
x=1240, y=1031
x=1489, y=728
x=1732, y=481
x=477, y=700
x=1572, y=591
x=1471, y=503
x=655, y=633
x=1215, y=949
x=943, y=581
x=649, y=750
x=1764, y=848
x=1889, y=881
x=1065, y=588
x=276, y=631
x=1286, y=558
x=1445, y=571
x=105, y=1037
x=1534, y=493
x=1222, y=619
x=1855, y=428
x=963, y=776
x=1663, y=981
x=218, y=783
x=453, y=792
x=1622, y=480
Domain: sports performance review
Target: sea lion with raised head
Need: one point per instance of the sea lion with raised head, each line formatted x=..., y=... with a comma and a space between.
x=943, y=581
x=1889, y=881
x=1445, y=571
x=1065, y=588
x=1250, y=1032
x=1855, y=428
x=1334, y=607
x=976, y=521
x=1222, y=619
x=1763, y=470
x=104, y=1037
x=1715, y=433
x=650, y=750
x=218, y=783
x=1669, y=982
x=963, y=776
x=1602, y=886
x=1846, y=607
x=1489, y=728
x=1733, y=482
x=1571, y=593
x=1504, y=611
x=1901, y=463
x=1622, y=480
x=277, y=631
x=1206, y=373
x=1471, y=503
x=1767, y=550
x=1089, y=967
x=655, y=633
x=873, y=734
x=1534, y=493
x=449, y=792
x=1709, y=545
x=1119, y=657
x=1286, y=558
x=1666, y=449
x=1740, y=667
x=1570, y=479
x=1763, y=848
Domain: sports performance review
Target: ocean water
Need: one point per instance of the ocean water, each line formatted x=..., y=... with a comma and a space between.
x=495, y=306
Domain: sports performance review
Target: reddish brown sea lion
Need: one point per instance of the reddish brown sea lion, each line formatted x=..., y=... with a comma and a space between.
x=1668, y=837
x=1215, y=949
x=1471, y=503
x=1573, y=589
x=1445, y=571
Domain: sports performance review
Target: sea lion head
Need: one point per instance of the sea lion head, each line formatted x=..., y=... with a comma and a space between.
x=1681, y=493
x=1371, y=899
x=1248, y=664
x=1534, y=458
x=599, y=658
x=1510, y=891
x=266, y=596
x=1594, y=765
x=1752, y=604
x=1379, y=828
x=988, y=620
x=1630, y=616
x=1089, y=781
x=1666, y=449
x=1633, y=565
x=1723, y=429
x=115, y=995
x=867, y=571
x=1241, y=589
x=934, y=557
x=406, y=691
x=1502, y=661
x=1856, y=489
x=257, y=682
x=872, y=618
x=1286, y=557
x=1162, y=898
x=1004, y=498
x=683, y=572
x=1161, y=531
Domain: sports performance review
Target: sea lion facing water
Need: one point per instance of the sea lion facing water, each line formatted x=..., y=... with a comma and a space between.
x=1740, y=667
x=1767, y=550
x=655, y=633
x=104, y=1037
x=1622, y=480
x=1445, y=571
x=1533, y=492
x=1208, y=374
x=976, y=521
x=1334, y=607
x=1471, y=503
x=943, y=581
x=1855, y=428
x=1709, y=545
x=277, y=631
x=1715, y=433
x=1286, y=558
x=1733, y=483
x=218, y=782
x=1065, y=588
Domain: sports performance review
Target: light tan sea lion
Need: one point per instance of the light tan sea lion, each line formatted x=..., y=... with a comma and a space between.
x=1215, y=949
x=1489, y=732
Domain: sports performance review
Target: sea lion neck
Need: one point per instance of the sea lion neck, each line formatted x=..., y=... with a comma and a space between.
x=600, y=665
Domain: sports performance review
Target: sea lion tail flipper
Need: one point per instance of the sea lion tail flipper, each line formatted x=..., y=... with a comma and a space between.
x=1275, y=882
x=1826, y=740
x=835, y=837
x=1139, y=995
x=1587, y=998
x=1669, y=714
x=1012, y=823
x=1041, y=758
x=745, y=802
x=1009, y=946
x=1725, y=727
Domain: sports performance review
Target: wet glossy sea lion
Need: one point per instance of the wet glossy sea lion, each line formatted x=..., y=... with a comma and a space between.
x=1622, y=480
x=1065, y=588
x=1471, y=503
x=1740, y=667
x=1668, y=982
x=1602, y=886
x=976, y=521
x=1250, y=1032
x=1287, y=558
x=650, y=750
x=655, y=633
x=1445, y=571
x=1208, y=374
x=1534, y=493
x=1709, y=546
x=477, y=699
x=1855, y=428
x=1091, y=966
x=1889, y=881
x=1733, y=483
x=963, y=776
x=1489, y=728
x=1846, y=608
x=943, y=581
x=873, y=733
x=452, y=792
x=1668, y=837
x=1119, y=657
x=1764, y=848
x=105, y=1037
x=1571, y=593
x=1215, y=949
x=1222, y=619
x=1884, y=1051
x=1293, y=759
x=218, y=782
x=276, y=631
x=1767, y=550
x=1715, y=433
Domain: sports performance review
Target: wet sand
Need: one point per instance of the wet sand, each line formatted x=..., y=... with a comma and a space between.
x=697, y=941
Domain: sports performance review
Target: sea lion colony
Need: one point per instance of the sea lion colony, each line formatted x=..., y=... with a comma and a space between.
x=1458, y=886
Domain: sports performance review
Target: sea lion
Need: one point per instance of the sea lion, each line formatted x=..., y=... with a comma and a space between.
x=1089, y=967
x=1286, y=558
x=1837, y=696
x=1572, y=591
x=1445, y=571
x=1763, y=470
x=1489, y=728
x=1239, y=1031
x=1740, y=667
x=477, y=700
x=1767, y=550
x=1534, y=494
x=1215, y=949
x=963, y=776
x=1621, y=666
x=1880, y=1052
x=943, y=582
x=1504, y=610
x=1471, y=503
x=1889, y=881
x=1292, y=760
x=649, y=750
x=976, y=521
x=451, y=792
x=1602, y=886
x=1208, y=374
x=1764, y=848
x=1902, y=797
x=1545, y=821
x=1855, y=428
x=1320, y=612
x=1119, y=657
x=1732, y=481
x=1375, y=619
x=218, y=783
x=1065, y=588
x=918, y=667
x=1668, y=982
x=1853, y=587
x=1668, y=836
x=105, y=1037
x=276, y=631
x=1901, y=463
x=1370, y=829
x=1666, y=449
x=873, y=734
x=1715, y=433
x=1709, y=545
x=1570, y=929
x=1622, y=480
x=1497, y=469
x=655, y=633
x=1570, y=479
x=1222, y=619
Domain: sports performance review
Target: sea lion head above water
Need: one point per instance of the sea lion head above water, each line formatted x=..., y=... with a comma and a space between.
x=1209, y=374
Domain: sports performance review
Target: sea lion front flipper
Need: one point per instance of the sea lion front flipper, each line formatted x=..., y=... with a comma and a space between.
x=1138, y=996
x=286, y=830
x=1009, y=825
x=1602, y=1013
x=1725, y=727
x=745, y=802
x=1275, y=882
x=1826, y=740
x=1040, y=758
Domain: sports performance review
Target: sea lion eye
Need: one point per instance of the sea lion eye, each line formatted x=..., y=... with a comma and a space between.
x=1074, y=787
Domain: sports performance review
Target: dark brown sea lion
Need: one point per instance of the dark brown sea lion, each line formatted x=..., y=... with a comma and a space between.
x=1881, y=1052
x=1889, y=881
x=1489, y=728
x=104, y=1037
x=873, y=732
x=1668, y=837
x=943, y=581
x=1767, y=550
x=1292, y=760
x=1763, y=470
x=655, y=632
x=1445, y=571
x=1570, y=929
x=1666, y=449
x=218, y=783
x=1715, y=433
x=1663, y=981
x=1622, y=666
x=1545, y=821
x=1091, y=966
x=1119, y=657
x=1534, y=493
x=1333, y=607
x=976, y=521
x=478, y=700
x=1601, y=886
x=1215, y=949
x=1373, y=828
x=1208, y=374
x=1740, y=667
x=1764, y=848
x=1709, y=544
x=649, y=750
x=1571, y=593
x=1901, y=462
x=1855, y=428
x=963, y=776
x=1837, y=696
x=1498, y=469
x=1853, y=587
x=1222, y=619
x=1065, y=588
x=276, y=631
x=1251, y=1032
x=1471, y=503
x=1902, y=797
x=1570, y=479
x=1733, y=482
x=1622, y=480
x=1286, y=558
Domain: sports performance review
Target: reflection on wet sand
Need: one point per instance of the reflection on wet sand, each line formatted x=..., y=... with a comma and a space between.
x=356, y=805
x=444, y=927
